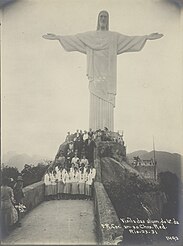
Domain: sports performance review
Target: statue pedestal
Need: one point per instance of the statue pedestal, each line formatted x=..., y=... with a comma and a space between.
x=101, y=114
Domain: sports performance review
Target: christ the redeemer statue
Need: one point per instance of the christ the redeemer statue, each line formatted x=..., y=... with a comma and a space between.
x=102, y=47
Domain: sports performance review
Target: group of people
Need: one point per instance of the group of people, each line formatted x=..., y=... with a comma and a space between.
x=72, y=173
x=98, y=135
x=84, y=143
x=76, y=145
x=70, y=183
x=11, y=201
x=70, y=176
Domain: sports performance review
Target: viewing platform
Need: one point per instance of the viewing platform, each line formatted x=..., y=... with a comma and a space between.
x=66, y=222
x=57, y=222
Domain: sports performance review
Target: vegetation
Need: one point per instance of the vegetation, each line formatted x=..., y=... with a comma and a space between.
x=173, y=188
x=132, y=196
x=30, y=173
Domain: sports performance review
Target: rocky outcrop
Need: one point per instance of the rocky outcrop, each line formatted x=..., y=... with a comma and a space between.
x=128, y=190
x=111, y=149
x=132, y=196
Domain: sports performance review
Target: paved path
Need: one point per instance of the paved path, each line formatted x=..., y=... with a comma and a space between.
x=57, y=222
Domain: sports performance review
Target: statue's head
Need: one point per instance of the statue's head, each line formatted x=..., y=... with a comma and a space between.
x=103, y=20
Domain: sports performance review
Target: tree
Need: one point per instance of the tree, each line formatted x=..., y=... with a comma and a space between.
x=32, y=174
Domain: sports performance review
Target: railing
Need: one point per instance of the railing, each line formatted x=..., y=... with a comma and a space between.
x=108, y=225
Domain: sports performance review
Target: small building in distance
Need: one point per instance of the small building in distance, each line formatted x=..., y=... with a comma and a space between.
x=148, y=168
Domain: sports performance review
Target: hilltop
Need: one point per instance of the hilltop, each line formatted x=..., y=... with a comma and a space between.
x=14, y=159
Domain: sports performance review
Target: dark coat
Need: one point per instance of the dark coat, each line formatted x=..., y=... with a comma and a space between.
x=18, y=194
x=89, y=148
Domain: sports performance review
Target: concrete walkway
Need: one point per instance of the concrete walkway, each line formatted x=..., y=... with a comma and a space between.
x=57, y=222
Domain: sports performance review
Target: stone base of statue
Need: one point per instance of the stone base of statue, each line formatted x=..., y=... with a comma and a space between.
x=101, y=113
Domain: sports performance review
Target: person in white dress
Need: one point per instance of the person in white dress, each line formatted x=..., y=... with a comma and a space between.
x=53, y=184
x=74, y=160
x=56, y=169
x=93, y=175
x=63, y=173
x=48, y=187
x=88, y=184
x=85, y=135
x=93, y=172
x=67, y=186
x=81, y=183
x=60, y=188
x=74, y=180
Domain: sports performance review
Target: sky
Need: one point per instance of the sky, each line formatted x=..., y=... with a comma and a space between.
x=45, y=89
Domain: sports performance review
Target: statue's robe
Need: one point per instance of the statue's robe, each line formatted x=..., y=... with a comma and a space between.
x=102, y=48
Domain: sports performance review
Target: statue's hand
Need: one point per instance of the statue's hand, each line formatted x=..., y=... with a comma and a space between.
x=50, y=36
x=153, y=36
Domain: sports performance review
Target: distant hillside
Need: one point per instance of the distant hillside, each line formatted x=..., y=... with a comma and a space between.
x=19, y=160
x=136, y=153
x=165, y=160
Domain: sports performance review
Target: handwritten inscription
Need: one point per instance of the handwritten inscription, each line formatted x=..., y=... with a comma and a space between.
x=110, y=226
x=172, y=238
x=149, y=226
x=129, y=220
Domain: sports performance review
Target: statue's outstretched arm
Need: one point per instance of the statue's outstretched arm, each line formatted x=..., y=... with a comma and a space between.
x=68, y=42
x=154, y=36
x=134, y=43
x=50, y=36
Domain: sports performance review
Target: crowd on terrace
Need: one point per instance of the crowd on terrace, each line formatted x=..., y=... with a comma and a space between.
x=84, y=143
x=73, y=183
x=72, y=174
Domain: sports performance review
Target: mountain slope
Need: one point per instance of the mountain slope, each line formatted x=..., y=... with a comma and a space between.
x=13, y=159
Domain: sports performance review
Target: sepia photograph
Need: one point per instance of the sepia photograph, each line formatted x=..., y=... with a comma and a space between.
x=91, y=122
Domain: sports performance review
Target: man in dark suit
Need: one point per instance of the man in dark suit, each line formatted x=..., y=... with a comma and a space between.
x=89, y=149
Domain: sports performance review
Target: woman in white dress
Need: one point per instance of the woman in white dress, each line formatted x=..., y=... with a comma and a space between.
x=48, y=187
x=60, y=184
x=74, y=180
x=67, y=187
x=88, y=184
x=81, y=183
x=93, y=172
x=53, y=184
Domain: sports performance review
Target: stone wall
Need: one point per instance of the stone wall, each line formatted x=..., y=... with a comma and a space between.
x=108, y=225
x=97, y=166
x=34, y=195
